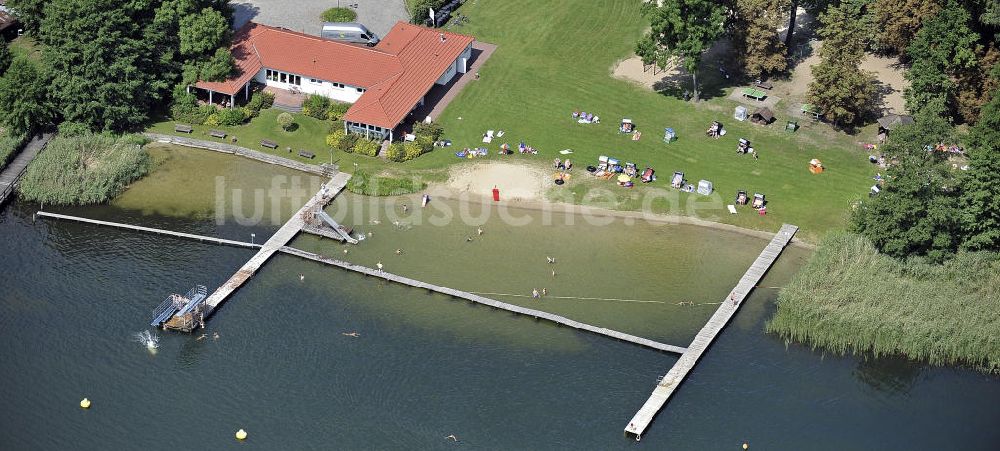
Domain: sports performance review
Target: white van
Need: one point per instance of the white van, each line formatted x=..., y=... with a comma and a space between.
x=352, y=32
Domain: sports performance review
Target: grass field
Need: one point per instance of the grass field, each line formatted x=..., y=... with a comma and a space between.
x=551, y=63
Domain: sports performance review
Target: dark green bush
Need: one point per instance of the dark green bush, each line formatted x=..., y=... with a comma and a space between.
x=337, y=110
x=231, y=117
x=316, y=106
x=339, y=15
x=70, y=129
x=433, y=129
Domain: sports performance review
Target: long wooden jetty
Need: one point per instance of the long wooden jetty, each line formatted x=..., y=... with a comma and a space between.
x=704, y=338
x=280, y=238
x=11, y=174
x=486, y=301
x=191, y=236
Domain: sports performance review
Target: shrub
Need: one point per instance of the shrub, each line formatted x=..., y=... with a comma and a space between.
x=84, y=169
x=334, y=138
x=212, y=120
x=412, y=150
x=70, y=129
x=258, y=101
x=433, y=129
x=186, y=109
x=396, y=152
x=366, y=147
x=231, y=117
x=316, y=106
x=336, y=125
x=339, y=15
x=285, y=120
x=337, y=110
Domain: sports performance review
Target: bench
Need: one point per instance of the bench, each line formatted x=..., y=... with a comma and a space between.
x=763, y=84
x=268, y=144
x=181, y=128
x=304, y=154
x=217, y=133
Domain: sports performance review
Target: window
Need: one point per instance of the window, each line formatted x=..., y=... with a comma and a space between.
x=283, y=78
x=361, y=89
x=314, y=81
x=295, y=80
x=338, y=85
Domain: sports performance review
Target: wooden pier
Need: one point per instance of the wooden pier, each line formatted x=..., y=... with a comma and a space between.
x=190, y=236
x=282, y=237
x=12, y=173
x=674, y=377
x=486, y=301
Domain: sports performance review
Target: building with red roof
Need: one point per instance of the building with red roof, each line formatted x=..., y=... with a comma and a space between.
x=384, y=83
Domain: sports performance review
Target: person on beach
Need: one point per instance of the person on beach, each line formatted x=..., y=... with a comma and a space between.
x=732, y=298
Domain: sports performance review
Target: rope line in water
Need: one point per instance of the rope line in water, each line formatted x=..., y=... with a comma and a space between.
x=570, y=297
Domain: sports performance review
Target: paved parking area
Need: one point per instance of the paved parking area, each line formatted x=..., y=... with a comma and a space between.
x=303, y=15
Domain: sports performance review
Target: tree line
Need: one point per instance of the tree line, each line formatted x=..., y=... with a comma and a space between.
x=110, y=64
x=951, y=47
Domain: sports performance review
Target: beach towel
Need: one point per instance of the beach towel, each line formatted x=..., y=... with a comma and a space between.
x=566, y=151
x=732, y=209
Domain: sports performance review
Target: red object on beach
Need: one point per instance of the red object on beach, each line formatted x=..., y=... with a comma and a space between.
x=496, y=194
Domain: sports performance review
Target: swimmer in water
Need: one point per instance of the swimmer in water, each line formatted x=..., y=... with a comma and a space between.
x=452, y=437
x=350, y=334
x=479, y=231
x=534, y=293
x=302, y=277
x=468, y=239
x=201, y=337
x=215, y=336
x=399, y=252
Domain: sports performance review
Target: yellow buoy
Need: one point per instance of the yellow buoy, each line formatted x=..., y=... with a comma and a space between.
x=85, y=403
x=241, y=435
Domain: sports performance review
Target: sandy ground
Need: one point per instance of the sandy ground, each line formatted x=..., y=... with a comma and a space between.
x=515, y=181
x=890, y=75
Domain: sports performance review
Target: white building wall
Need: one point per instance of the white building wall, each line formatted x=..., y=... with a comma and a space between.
x=348, y=93
x=448, y=73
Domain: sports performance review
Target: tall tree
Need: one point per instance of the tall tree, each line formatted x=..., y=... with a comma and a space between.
x=686, y=29
x=23, y=103
x=840, y=89
x=975, y=85
x=981, y=187
x=4, y=56
x=944, y=46
x=898, y=21
x=203, y=33
x=28, y=12
x=754, y=27
x=916, y=213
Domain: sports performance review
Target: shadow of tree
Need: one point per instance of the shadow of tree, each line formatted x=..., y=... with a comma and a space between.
x=243, y=13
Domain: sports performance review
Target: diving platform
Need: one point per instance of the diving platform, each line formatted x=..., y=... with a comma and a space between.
x=184, y=313
x=673, y=379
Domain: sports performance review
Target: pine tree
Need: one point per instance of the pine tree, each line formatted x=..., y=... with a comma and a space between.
x=754, y=27
x=981, y=187
x=840, y=89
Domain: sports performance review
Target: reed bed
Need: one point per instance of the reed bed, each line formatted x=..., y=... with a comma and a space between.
x=850, y=298
x=86, y=169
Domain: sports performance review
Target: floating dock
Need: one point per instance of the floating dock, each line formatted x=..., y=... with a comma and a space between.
x=674, y=377
x=645, y=342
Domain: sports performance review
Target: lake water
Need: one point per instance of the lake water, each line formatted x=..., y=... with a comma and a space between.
x=425, y=366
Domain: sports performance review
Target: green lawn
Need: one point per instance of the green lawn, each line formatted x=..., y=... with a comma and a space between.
x=549, y=64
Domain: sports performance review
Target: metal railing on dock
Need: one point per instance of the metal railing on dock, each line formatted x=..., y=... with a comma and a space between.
x=645, y=342
x=11, y=174
x=669, y=383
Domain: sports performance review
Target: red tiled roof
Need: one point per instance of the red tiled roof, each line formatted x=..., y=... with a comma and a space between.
x=395, y=74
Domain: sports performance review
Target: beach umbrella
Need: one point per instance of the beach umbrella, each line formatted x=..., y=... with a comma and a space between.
x=624, y=178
